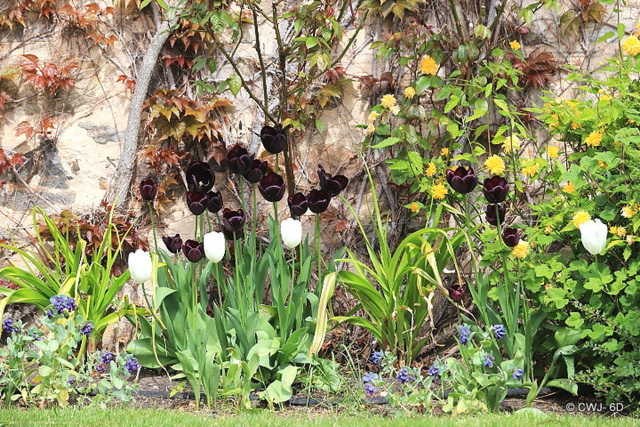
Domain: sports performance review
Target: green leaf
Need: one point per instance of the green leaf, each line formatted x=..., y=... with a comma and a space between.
x=320, y=125
x=44, y=371
x=386, y=142
x=564, y=384
x=235, y=84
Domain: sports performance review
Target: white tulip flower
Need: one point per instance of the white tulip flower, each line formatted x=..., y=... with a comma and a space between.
x=140, y=265
x=214, y=246
x=594, y=236
x=291, y=231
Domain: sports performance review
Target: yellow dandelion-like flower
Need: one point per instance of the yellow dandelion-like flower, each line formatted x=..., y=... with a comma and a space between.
x=628, y=212
x=495, y=165
x=444, y=152
x=575, y=125
x=515, y=45
x=431, y=169
x=371, y=129
x=414, y=207
x=373, y=116
x=394, y=110
x=613, y=230
x=552, y=151
x=621, y=232
x=602, y=164
x=409, y=92
x=605, y=97
x=530, y=171
x=569, y=188
x=631, y=46
x=580, y=218
x=428, y=65
x=521, y=250
x=438, y=191
x=548, y=229
x=388, y=101
x=556, y=121
x=512, y=143
x=594, y=139
x=572, y=103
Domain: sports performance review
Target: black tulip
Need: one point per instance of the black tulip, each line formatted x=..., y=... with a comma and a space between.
x=511, y=236
x=273, y=139
x=193, y=250
x=491, y=214
x=239, y=160
x=256, y=171
x=318, y=200
x=297, y=204
x=200, y=177
x=214, y=201
x=272, y=187
x=197, y=202
x=456, y=292
x=173, y=244
x=495, y=189
x=333, y=184
x=148, y=190
x=462, y=180
x=232, y=223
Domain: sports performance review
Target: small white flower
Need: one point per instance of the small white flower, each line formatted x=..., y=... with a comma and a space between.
x=214, y=246
x=594, y=236
x=140, y=265
x=291, y=231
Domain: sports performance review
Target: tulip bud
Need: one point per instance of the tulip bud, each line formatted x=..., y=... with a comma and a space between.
x=256, y=171
x=273, y=139
x=232, y=223
x=214, y=201
x=456, y=292
x=495, y=189
x=173, y=244
x=140, y=265
x=297, y=204
x=511, y=236
x=291, y=231
x=490, y=214
x=193, y=250
x=200, y=177
x=318, y=200
x=272, y=187
x=239, y=160
x=333, y=184
x=462, y=180
x=594, y=236
x=148, y=190
x=197, y=202
x=214, y=246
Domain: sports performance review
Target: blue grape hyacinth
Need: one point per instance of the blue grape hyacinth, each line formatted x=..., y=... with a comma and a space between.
x=488, y=361
x=369, y=377
x=86, y=329
x=517, y=374
x=63, y=303
x=464, y=331
x=434, y=370
x=370, y=389
x=377, y=357
x=404, y=376
x=132, y=365
x=8, y=325
x=499, y=331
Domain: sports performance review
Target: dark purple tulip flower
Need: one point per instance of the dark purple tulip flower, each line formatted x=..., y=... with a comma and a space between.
x=256, y=171
x=239, y=160
x=318, y=200
x=333, y=184
x=297, y=204
x=511, y=236
x=173, y=244
x=495, y=189
x=197, y=202
x=200, y=177
x=193, y=250
x=272, y=187
x=148, y=190
x=462, y=180
x=273, y=139
x=232, y=222
x=456, y=292
x=214, y=201
x=491, y=214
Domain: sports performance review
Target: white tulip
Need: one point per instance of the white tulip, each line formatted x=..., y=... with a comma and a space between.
x=594, y=236
x=214, y=246
x=140, y=265
x=291, y=231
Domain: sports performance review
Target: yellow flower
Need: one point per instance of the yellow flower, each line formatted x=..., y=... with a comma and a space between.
x=512, y=143
x=444, y=152
x=409, y=92
x=575, y=125
x=394, y=110
x=530, y=171
x=414, y=207
x=552, y=151
x=580, y=218
x=631, y=46
x=622, y=232
x=548, y=229
x=514, y=45
x=628, y=212
x=602, y=164
x=373, y=116
x=428, y=65
x=494, y=164
x=613, y=230
x=605, y=97
x=630, y=239
x=371, y=129
x=388, y=101
x=431, y=170
x=569, y=188
x=594, y=139
x=438, y=191
x=521, y=250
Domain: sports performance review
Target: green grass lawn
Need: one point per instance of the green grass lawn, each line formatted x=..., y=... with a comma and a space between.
x=159, y=418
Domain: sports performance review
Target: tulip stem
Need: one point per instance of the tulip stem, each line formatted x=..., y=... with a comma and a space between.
x=254, y=209
x=153, y=225
x=316, y=243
